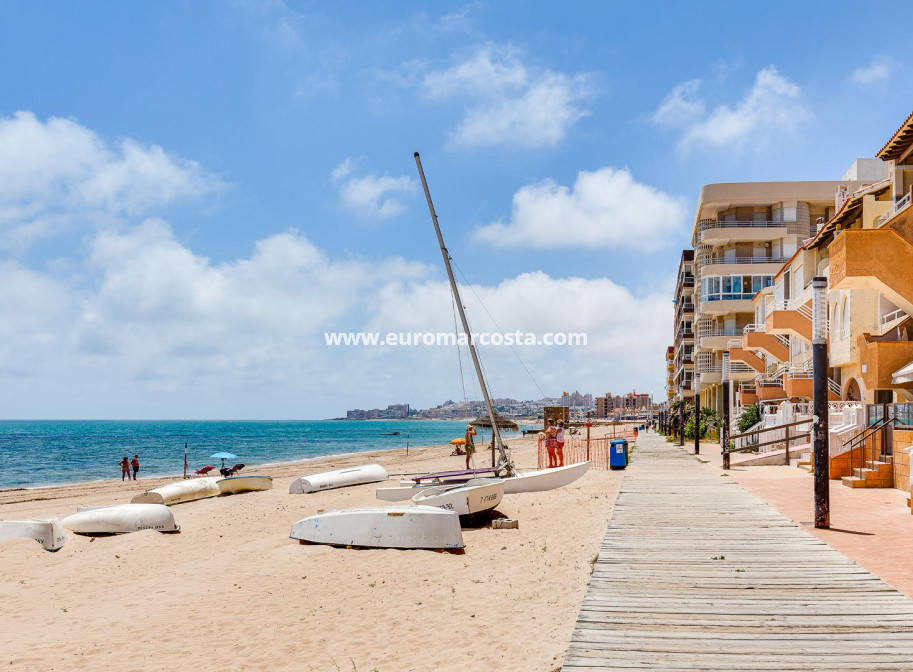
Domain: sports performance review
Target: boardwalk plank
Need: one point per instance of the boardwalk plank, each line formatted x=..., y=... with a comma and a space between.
x=775, y=598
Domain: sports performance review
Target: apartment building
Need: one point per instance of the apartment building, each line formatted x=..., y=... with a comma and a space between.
x=680, y=382
x=743, y=235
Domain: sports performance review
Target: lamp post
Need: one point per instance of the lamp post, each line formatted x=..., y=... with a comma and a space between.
x=724, y=420
x=697, y=413
x=681, y=415
x=819, y=403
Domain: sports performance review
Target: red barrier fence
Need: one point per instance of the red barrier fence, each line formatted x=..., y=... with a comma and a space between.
x=581, y=450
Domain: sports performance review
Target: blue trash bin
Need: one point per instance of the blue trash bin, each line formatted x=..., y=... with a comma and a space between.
x=618, y=454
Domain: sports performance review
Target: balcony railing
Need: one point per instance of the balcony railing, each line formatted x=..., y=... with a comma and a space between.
x=893, y=316
x=797, y=305
x=706, y=261
x=901, y=204
x=706, y=224
x=719, y=331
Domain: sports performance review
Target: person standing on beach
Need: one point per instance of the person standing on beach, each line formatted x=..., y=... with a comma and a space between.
x=559, y=443
x=135, y=464
x=470, y=444
x=550, y=444
x=125, y=468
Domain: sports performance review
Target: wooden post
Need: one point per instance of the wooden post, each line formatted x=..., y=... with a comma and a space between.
x=185, y=459
x=588, y=441
x=819, y=403
x=787, y=446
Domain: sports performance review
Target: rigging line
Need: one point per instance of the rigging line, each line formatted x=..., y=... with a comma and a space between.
x=459, y=354
x=472, y=289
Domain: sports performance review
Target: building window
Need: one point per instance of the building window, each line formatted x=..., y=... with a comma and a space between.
x=733, y=287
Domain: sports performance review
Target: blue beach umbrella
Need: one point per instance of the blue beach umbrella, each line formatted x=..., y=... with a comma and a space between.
x=223, y=456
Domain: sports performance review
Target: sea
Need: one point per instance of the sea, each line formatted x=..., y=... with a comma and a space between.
x=52, y=452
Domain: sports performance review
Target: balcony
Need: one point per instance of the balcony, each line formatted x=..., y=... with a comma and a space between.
x=897, y=208
x=769, y=343
x=716, y=338
x=878, y=360
x=724, y=304
x=747, y=357
x=712, y=232
x=748, y=396
x=770, y=389
x=878, y=259
x=713, y=265
x=789, y=317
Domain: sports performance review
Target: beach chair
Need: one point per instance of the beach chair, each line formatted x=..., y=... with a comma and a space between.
x=235, y=469
x=204, y=470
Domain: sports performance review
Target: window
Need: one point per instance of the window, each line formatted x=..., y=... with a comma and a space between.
x=733, y=287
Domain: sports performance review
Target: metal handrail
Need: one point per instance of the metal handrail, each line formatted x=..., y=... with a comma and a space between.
x=786, y=438
x=706, y=224
x=901, y=204
x=881, y=424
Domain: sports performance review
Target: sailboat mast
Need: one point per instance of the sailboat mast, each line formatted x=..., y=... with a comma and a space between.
x=505, y=460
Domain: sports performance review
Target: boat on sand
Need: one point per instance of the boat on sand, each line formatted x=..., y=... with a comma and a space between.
x=46, y=531
x=180, y=491
x=472, y=501
x=382, y=527
x=340, y=478
x=234, y=485
x=121, y=519
x=530, y=481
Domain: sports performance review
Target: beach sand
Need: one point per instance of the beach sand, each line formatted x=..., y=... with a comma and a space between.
x=233, y=592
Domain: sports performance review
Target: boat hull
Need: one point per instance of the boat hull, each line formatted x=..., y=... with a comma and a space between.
x=121, y=519
x=473, y=501
x=181, y=491
x=340, y=478
x=401, y=493
x=237, y=484
x=47, y=532
x=418, y=527
x=545, y=479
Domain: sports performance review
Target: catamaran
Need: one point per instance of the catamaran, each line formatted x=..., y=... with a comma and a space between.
x=535, y=481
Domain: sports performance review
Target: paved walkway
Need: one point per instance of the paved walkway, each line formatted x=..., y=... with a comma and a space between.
x=697, y=573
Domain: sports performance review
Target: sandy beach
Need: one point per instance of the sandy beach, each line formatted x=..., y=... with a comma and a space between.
x=233, y=592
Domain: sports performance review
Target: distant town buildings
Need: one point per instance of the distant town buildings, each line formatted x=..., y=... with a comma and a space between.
x=453, y=410
x=631, y=403
x=392, y=412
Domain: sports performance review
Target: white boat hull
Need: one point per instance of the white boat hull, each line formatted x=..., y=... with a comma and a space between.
x=340, y=478
x=545, y=479
x=181, y=491
x=121, y=519
x=471, y=500
x=237, y=484
x=401, y=493
x=392, y=527
x=47, y=532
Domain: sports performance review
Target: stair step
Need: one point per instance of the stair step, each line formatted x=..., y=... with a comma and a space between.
x=862, y=473
x=853, y=482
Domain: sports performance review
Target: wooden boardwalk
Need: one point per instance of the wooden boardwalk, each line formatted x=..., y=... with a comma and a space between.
x=696, y=573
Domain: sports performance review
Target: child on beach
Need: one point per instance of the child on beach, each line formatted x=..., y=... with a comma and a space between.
x=135, y=464
x=124, y=468
x=559, y=443
x=470, y=444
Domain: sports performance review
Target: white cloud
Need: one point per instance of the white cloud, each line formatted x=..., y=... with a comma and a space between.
x=158, y=331
x=371, y=196
x=509, y=102
x=57, y=172
x=878, y=70
x=770, y=108
x=682, y=106
x=604, y=208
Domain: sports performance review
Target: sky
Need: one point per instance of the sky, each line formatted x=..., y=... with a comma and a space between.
x=193, y=193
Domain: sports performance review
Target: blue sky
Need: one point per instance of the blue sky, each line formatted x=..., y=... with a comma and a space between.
x=192, y=193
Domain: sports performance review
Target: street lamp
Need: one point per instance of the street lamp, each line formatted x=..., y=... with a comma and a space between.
x=697, y=413
x=819, y=403
x=724, y=420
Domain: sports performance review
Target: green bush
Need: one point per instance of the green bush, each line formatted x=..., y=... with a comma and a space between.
x=749, y=418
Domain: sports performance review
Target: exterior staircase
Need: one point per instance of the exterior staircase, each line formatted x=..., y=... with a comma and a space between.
x=875, y=475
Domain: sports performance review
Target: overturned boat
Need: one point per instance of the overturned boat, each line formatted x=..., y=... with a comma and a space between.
x=340, y=478
x=121, y=519
x=394, y=527
x=234, y=485
x=180, y=491
x=46, y=531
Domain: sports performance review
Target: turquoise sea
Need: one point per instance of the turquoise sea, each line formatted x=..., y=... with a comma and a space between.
x=49, y=452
